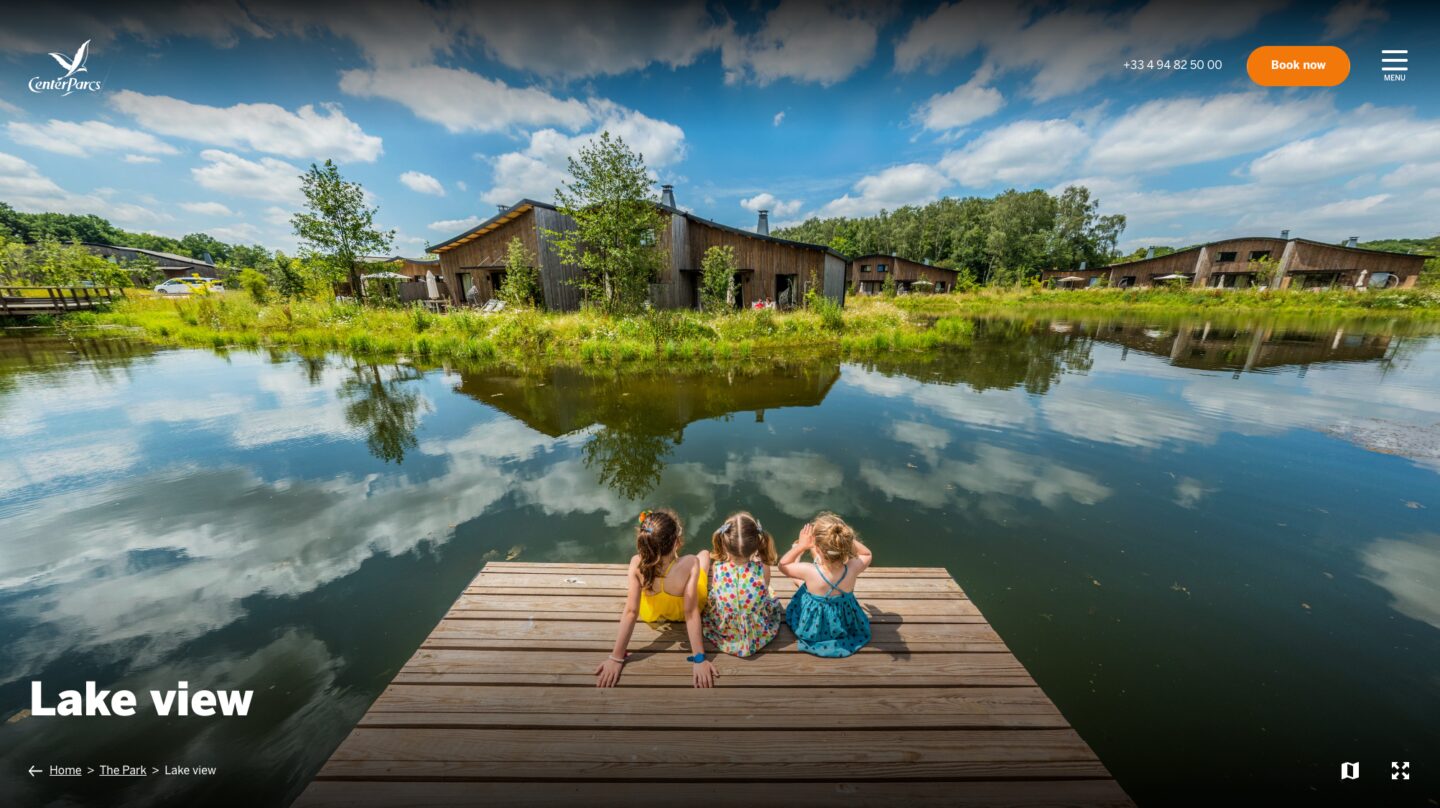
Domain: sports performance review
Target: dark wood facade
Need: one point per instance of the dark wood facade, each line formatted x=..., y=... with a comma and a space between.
x=1240, y=263
x=769, y=268
x=866, y=274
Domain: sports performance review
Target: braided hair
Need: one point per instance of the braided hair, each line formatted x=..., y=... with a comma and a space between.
x=741, y=538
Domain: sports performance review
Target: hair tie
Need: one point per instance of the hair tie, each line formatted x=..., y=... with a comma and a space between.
x=644, y=517
x=725, y=528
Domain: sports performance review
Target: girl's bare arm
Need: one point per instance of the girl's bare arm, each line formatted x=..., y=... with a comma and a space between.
x=607, y=673
x=703, y=672
x=789, y=563
x=863, y=555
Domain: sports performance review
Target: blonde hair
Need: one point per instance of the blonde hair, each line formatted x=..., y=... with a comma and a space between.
x=657, y=535
x=834, y=540
x=741, y=537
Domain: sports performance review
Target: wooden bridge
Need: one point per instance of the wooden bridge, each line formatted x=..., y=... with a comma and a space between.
x=25, y=301
x=499, y=707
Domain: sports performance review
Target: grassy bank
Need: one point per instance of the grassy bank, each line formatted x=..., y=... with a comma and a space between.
x=522, y=337
x=1388, y=304
x=867, y=327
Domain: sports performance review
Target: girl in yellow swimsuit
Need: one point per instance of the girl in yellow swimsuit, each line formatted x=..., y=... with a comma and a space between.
x=662, y=586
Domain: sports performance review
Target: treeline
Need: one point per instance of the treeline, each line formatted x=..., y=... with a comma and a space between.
x=68, y=228
x=1007, y=238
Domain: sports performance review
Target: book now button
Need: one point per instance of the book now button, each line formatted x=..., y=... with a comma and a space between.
x=1298, y=66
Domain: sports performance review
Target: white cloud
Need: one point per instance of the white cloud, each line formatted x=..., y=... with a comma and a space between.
x=84, y=138
x=271, y=179
x=9, y=108
x=278, y=216
x=1016, y=154
x=1189, y=491
x=1350, y=16
x=307, y=132
x=1070, y=48
x=779, y=117
x=141, y=159
x=766, y=201
x=963, y=105
x=240, y=233
x=207, y=208
x=456, y=225
x=462, y=185
x=422, y=183
x=803, y=41
x=536, y=171
x=462, y=101
x=1145, y=138
x=1374, y=137
x=23, y=186
x=1410, y=572
x=910, y=184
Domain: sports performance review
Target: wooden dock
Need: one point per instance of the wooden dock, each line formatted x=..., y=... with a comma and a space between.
x=27, y=301
x=498, y=707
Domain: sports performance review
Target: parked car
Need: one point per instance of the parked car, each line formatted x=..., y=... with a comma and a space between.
x=185, y=286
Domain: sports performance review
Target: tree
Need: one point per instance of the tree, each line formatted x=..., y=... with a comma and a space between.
x=615, y=241
x=200, y=245
x=717, y=279
x=887, y=286
x=522, y=277
x=337, y=226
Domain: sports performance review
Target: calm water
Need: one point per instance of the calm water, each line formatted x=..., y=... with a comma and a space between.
x=1215, y=548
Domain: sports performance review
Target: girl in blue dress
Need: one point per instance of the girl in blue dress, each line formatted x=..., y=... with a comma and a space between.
x=824, y=614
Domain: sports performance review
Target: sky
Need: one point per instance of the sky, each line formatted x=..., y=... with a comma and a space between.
x=207, y=113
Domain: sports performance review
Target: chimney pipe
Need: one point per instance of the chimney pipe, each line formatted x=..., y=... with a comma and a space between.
x=1149, y=252
x=763, y=226
x=667, y=195
x=503, y=208
x=1353, y=241
x=1285, y=234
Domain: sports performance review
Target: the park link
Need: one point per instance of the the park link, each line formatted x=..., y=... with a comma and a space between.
x=68, y=85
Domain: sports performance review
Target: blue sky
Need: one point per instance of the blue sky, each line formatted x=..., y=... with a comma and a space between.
x=207, y=112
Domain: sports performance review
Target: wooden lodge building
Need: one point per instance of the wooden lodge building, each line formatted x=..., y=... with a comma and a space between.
x=174, y=266
x=1232, y=264
x=867, y=273
x=769, y=268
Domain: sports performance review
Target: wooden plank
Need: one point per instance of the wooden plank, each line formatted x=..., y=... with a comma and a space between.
x=603, y=606
x=608, y=581
x=542, y=633
x=799, y=794
x=569, y=567
x=609, y=616
x=759, y=708
x=688, y=753
x=862, y=591
x=447, y=666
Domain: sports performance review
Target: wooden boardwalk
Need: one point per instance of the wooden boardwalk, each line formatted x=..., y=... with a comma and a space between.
x=27, y=301
x=498, y=707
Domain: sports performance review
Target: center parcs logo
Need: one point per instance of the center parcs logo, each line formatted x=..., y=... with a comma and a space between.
x=70, y=82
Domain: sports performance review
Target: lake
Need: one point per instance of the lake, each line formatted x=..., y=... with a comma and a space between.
x=1215, y=546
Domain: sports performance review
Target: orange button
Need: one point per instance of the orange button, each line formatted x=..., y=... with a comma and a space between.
x=1298, y=66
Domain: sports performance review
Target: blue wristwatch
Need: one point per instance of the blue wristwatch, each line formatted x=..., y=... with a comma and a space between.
x=697, y=659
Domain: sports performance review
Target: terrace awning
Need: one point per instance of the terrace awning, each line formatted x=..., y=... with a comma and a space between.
x=1071, y=279
x=1174, y=276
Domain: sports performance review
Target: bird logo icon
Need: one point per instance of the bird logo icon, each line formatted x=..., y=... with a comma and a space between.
x=76, y=63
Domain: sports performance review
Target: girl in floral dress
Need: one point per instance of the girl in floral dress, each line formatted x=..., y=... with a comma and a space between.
x=741, y=615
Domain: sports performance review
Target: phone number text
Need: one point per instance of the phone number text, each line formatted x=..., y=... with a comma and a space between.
x=1173, y=64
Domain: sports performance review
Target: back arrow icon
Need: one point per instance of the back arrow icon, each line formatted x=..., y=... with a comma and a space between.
x=33, y=770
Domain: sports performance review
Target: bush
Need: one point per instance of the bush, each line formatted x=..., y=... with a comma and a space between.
x=717, y=279
x=256, y=285
x=832, y=317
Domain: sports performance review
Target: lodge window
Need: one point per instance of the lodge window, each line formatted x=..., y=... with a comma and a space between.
x=1259, y=255
x=1225, y=258
x=1128, y=280
x=879, y=267
x=864, y=267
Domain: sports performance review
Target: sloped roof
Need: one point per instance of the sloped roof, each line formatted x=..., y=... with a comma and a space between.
x=519, y=208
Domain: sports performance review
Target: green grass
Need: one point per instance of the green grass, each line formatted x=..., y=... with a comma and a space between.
x=866, y=327
x=526, y=337
x=1390, y=304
